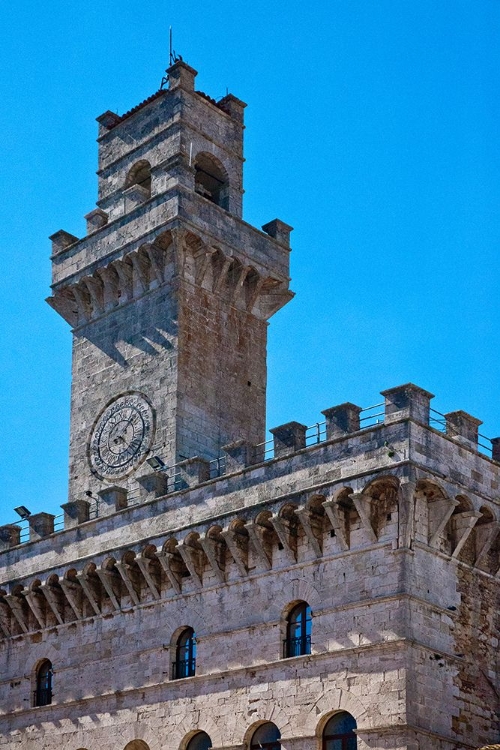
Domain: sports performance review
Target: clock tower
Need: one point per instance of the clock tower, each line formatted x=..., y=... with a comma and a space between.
x=169, y=293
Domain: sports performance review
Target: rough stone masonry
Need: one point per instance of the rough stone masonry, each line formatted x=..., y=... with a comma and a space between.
x=334, y=588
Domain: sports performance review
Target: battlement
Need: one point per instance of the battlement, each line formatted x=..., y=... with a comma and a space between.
x=350, y=445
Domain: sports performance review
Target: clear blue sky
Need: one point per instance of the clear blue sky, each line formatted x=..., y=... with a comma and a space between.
x=372, y=128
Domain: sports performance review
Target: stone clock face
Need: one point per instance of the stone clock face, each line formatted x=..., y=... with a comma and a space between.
x=121, y=436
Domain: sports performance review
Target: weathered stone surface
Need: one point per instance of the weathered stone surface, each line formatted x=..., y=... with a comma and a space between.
x=389, y=533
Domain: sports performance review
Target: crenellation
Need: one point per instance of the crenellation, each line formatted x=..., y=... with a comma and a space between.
x=335, y=580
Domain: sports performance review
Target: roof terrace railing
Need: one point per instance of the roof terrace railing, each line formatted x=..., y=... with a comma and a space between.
x=177, y=477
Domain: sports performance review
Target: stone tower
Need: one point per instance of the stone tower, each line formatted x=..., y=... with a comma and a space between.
x=335, y=589
x=169, y=293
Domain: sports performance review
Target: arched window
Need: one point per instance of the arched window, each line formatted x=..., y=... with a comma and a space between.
x=298, y=631
x=266, y=737
x=43, y=691
x=200, y=741
x=185, y=655
x=339, y=733
x=211, y=181
x=140, y=174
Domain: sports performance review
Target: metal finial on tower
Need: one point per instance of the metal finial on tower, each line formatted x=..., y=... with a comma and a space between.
x=173, y=58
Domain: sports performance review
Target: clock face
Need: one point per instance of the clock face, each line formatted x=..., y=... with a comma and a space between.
x=121, y=436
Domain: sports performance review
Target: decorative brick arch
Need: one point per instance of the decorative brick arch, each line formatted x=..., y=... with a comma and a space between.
x=183, y=614
x=179, y=737
x=267, y=713
x=331, y=702
x=296, y=590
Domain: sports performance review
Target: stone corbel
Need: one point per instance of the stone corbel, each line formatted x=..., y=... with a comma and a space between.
x=156, y=257
x=82, y=299
x=110, y=282
x=464, y=523
x=52, y=598
x=143, y=564
x=213, y=551
x=34, y=604
x=336, y=517
x=193, y=561
x=220, y=280
x=140, y=273
x=179, y=246
x=4, y=620
x=445, y=509
x=124, y=271
x=237, y=544
x=95, y=289
x=286, y=536
x=309, y=524
x=66, y=306
x=84, y=582
x=167, y=563
x=16, y=607
x=203, y=261
x=255, y=535
x=107, y=579
x=406, y=506
x=254, y=291
x=238, y=292
x=73, y=593
x=125, y=570
x=485, y=536
x=362, y=503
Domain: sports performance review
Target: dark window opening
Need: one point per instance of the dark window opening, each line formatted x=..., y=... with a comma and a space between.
x=43, y=692
x=200, y=741
x=298, y=631
x=339, y=733
x=210, y=181
x=266, y=737
x=140, y=174
x=185, y=655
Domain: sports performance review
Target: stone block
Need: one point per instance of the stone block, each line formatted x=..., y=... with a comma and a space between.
x=95, y=220
x=288, y=438
x=40, y=525
x=238, y=455
x=407, y=402
x=61, y=240
x=341, y=420
x=10, y=536
x=181, y=75
x=279, y=231
x=112, y=499
x=193, y=471
x=75, y=513
x=463, y=426
x=153, y=485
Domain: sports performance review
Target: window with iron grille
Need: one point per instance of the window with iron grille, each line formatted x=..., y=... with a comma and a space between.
x=43, y=692
x=298, y=631
x=339, y=733
x=185, y=655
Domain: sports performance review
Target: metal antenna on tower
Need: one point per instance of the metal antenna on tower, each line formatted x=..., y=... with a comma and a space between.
x=172, y=56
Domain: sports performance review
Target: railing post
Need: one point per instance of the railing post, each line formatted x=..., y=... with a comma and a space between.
x=75, y=513
x=41, y=525
x=288, y=438
x=463, y=427
x=342, y=420
x=407, y=402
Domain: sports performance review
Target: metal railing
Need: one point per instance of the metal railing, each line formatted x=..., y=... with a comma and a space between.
x=42, y=697
x=315, y=434
x=300, y=646
x=439, y=422
x=183, y=668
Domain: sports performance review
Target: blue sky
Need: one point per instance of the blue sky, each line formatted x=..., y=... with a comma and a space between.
x=372, y=128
